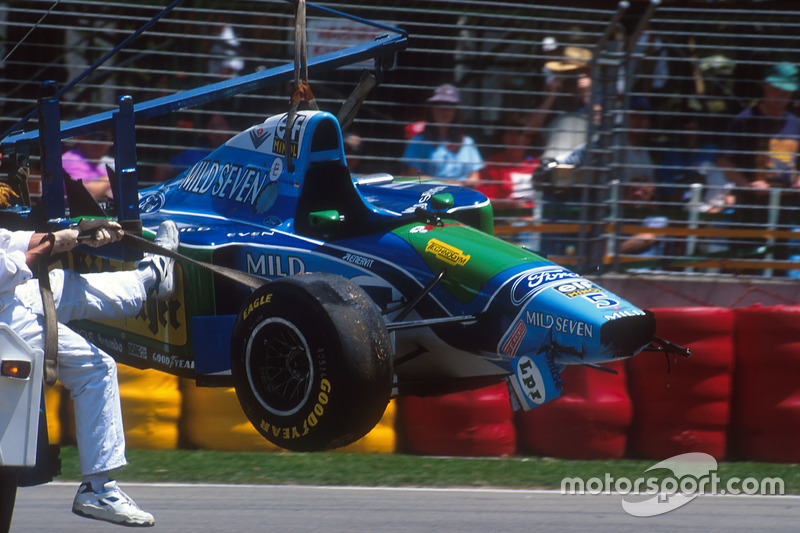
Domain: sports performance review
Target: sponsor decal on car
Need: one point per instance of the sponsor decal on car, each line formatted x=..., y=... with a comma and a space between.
x=274, y=265
x=511, y=345
x=534, y=281
x=225, y=180
x=577, y=288
x=258, y=135
x=359, y=260
x=298, y=128
x=447, y=253
x=620, y=314
x=576, y=328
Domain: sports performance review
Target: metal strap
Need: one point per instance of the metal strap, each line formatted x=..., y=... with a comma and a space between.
x=140, y=243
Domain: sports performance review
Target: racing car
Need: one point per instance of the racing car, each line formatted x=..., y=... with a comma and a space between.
x=319, y=295
x=372, y=287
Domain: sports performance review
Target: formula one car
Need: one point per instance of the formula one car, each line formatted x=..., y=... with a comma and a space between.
x=377, y=287
x=318, y=295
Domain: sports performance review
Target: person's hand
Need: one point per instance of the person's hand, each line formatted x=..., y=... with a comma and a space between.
x=99, y=231
x=64, y=240
x=555, y=84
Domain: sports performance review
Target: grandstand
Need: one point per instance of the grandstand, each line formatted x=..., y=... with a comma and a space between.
x=690, y=66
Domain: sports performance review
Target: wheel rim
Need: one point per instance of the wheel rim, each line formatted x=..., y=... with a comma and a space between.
x=279, y=367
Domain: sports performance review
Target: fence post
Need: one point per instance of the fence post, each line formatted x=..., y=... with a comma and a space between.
x=772, y=224
x=613, y=220
x=695, y=195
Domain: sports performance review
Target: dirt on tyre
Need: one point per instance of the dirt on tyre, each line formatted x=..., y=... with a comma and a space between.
x=311, y=362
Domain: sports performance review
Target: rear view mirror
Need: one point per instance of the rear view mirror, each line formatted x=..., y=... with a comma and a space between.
x=324, y=220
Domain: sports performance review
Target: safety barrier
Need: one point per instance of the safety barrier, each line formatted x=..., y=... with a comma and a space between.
x=589, y=421
x=698, y=404
x=473, y=423
x=737, y=397
x=684, y=405
x=765, y=424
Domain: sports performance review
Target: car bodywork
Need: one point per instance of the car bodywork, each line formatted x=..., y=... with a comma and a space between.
x=464, y=308
x=417, y=296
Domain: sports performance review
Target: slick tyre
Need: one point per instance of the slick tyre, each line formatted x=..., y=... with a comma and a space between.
x=311, y=362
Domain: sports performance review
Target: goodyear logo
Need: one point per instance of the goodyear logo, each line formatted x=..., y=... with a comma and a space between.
x=446, y=253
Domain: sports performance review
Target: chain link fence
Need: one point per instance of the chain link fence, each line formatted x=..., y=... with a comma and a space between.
x=623, y=111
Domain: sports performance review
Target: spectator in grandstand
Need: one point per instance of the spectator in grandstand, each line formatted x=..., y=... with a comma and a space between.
x=571, y=129
x=535, y=119
x=216, y=131
x=635, y=160
x=761, y=150
x=226, y=53
x=693, y=160
x=682, y=163
x=86, y=161
x=632, y=154
x=352, y=151
x=507, y=178
x=439, y=149
x=641, y=206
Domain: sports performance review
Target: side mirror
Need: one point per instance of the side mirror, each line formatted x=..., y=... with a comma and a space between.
x=325, y=220
x=441, y=201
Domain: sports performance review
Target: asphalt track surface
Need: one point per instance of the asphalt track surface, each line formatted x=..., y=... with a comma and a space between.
x=287, y=509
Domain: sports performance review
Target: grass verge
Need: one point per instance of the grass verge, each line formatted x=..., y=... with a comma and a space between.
x=348, y=469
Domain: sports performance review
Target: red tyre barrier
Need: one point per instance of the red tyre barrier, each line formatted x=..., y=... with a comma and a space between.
x=765, y=425
x=474, y=423
x=689, y=409
x=589, y=421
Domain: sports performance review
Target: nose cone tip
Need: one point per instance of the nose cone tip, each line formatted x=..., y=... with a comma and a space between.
x=626, y=336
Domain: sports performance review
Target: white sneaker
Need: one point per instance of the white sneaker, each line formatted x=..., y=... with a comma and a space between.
x=167, y=237
x=111, y=505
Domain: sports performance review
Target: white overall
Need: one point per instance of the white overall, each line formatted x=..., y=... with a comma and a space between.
x=86, y=371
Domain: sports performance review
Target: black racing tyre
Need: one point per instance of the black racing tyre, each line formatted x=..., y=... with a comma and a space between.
x=311, y=362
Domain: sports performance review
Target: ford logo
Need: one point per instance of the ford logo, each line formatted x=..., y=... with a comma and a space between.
x=536, y=280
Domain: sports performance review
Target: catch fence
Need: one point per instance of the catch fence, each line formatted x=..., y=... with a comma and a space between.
x=665, y=82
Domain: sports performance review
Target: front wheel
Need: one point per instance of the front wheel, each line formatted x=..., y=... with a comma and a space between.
x=311, y=362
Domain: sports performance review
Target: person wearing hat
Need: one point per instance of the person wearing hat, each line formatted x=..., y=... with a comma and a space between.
x=761, y=150
x=439, y=149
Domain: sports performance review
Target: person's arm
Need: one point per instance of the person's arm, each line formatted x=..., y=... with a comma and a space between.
x=99, y=232
x=41, y=246
x=99, y=189
x=637, y=244
x=732, y=173
x=536, y=118
x=472, y=180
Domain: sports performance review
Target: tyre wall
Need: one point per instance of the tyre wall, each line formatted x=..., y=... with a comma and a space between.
x=212, y=419
x=151, y=405
x=684, y=407
x=766, y=404
x=589, y=421
x=471, y=424
x=743, y=369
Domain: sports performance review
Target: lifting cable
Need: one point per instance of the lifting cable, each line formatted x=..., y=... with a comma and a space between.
x=302, y=90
